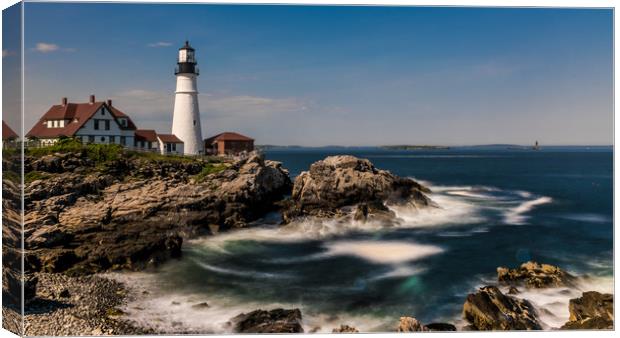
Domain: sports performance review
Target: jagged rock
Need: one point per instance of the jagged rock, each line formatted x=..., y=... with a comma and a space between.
x=342, y=181
x=593, y=310
x=83, y=223
x=12, y=283
x=274, y=321
x=440, y=327
x=535, y=275
x=410, y=324
x=345, y=329
x=513, y=291
x=489, y=309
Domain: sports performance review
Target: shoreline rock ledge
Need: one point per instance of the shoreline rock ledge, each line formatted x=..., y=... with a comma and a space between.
x=336, y=184
x=97, y=220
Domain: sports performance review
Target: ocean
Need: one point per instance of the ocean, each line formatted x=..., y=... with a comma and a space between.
x=499, y=206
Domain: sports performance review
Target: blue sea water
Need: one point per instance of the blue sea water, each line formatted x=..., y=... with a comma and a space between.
x=499, y=207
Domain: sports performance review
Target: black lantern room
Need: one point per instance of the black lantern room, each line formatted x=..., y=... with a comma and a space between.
x=186, y=63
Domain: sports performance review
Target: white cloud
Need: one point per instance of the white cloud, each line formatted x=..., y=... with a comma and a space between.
x=160, y=44
x=44, y=47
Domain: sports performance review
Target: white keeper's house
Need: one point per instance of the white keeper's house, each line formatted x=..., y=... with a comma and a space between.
x=98, y=122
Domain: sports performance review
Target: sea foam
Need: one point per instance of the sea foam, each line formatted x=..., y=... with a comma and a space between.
x=383, y=252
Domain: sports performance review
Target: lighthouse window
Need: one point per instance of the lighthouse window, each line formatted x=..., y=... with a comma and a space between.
x=194, y=122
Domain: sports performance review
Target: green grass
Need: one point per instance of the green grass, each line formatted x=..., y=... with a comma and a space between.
x=209, y=169
x=11, y=176
x=35, y=175
x=97, y=152
x=102, y=154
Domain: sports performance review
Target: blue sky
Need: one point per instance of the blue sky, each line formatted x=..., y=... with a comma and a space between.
x=314, y=75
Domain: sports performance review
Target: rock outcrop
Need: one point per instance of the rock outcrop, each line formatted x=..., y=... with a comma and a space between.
x=345, y=329
x=410, y=324
x=100, y=220
x=489, y=309
x=593, y=310
x=534, y=275
x=338, y=182
x=274, y=321
x=440, y=327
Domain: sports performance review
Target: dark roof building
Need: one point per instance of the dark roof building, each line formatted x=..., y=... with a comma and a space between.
x=7, y=132
x=147, y=135
x=228, y=143
x=169, y=138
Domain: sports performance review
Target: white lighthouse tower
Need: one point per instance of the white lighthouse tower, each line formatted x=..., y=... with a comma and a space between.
x=186, y=118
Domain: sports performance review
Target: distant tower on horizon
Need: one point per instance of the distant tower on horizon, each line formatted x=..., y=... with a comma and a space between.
x=186, y=116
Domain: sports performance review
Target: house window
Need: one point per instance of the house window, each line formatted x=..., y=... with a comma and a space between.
x=102, y=111
x=141, y=144
x=123, y=122
x=107, y=124
x=91, y=139
x=168, y=147
x=102, y=138
x=174, y=146
x=112, y=139
x=123, y=140
x=96, y=124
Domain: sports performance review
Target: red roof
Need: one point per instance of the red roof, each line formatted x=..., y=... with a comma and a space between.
x=77, y=114
x=7, y=132
x=228, y=136
x=169, y=138
x=147, y=135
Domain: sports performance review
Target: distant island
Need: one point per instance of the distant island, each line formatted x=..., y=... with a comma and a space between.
x=412, y=147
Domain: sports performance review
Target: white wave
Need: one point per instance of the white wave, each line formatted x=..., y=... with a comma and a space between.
x=247, y=273
x=552, y=303
x=400, y=271
x=516, y=215
x=452, y=210
x=173, y=312
x=382, y=252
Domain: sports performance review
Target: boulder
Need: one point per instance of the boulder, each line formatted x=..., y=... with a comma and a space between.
x=343, y=181
x=593, y=310
x=274, y=321
x=410, y=324
x=345, y=329
x=489, y=309
x=440, y=327
x=534, y=275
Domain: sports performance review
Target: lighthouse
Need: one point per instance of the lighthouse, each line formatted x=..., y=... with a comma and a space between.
x=186, y=116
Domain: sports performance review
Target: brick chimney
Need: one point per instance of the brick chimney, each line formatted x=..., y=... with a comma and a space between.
x=109, y=102
x=64, y=101
x=92, y=99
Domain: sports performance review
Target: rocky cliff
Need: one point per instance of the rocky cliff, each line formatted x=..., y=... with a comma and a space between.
x=133, y=212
